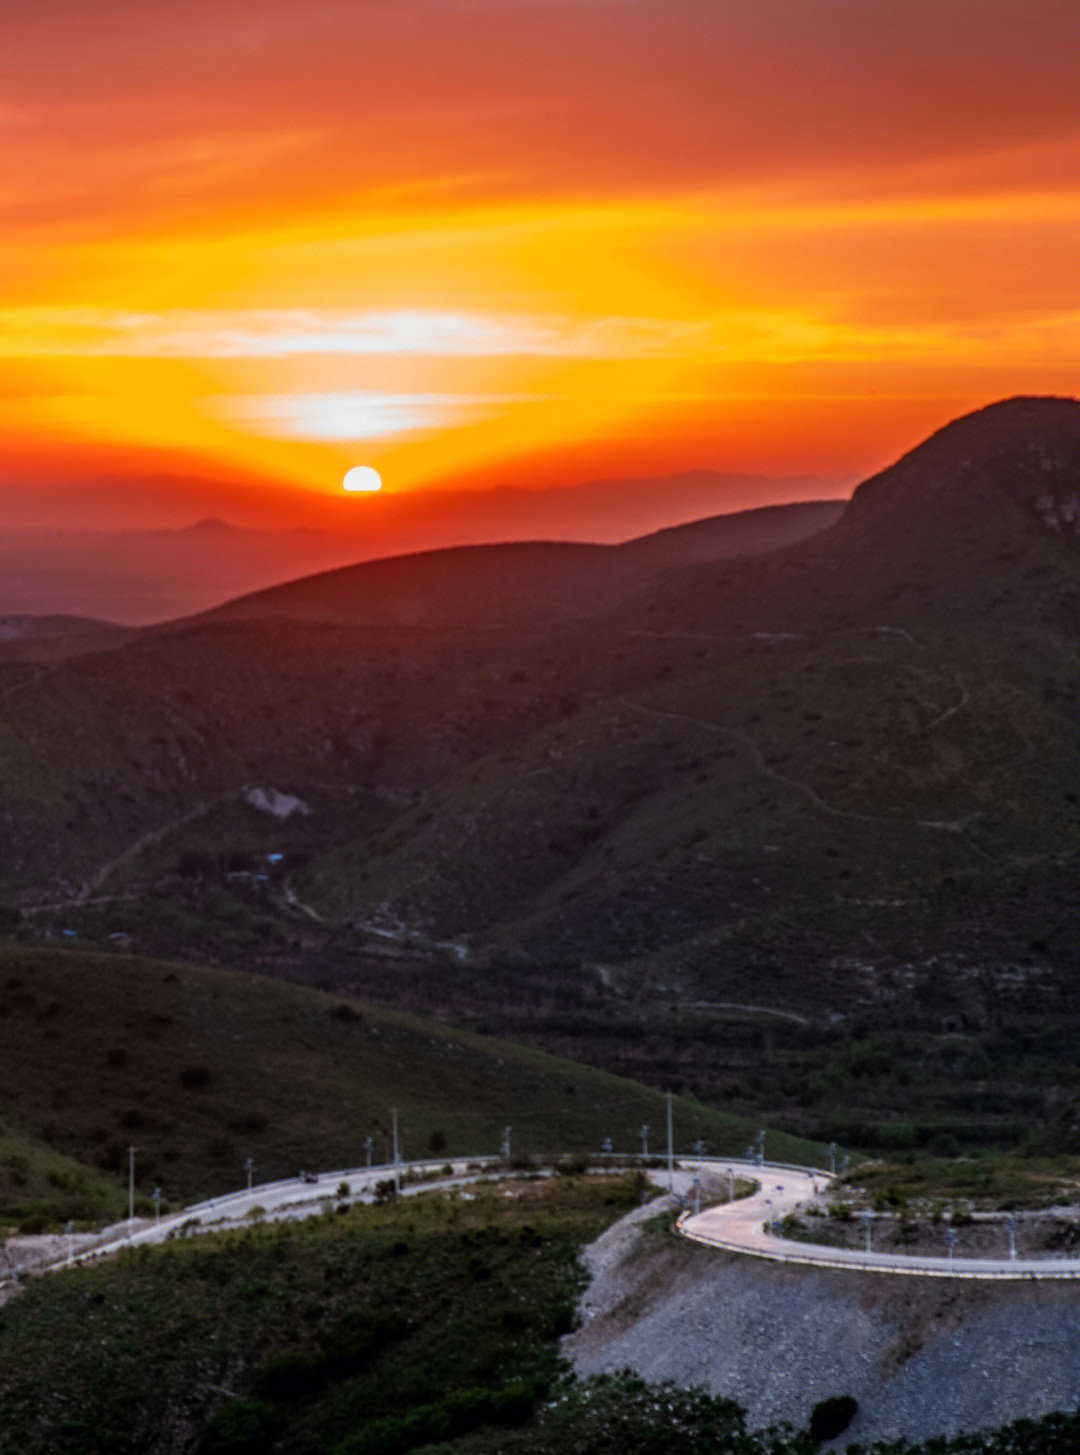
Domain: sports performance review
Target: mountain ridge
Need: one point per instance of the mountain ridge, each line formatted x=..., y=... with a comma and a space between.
x=834, y=780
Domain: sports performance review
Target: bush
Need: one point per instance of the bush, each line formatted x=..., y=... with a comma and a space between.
x=831, y=1417
x=459, y=1413
x=244, y=1427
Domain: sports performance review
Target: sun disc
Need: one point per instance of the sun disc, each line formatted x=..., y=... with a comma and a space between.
x=362, y=477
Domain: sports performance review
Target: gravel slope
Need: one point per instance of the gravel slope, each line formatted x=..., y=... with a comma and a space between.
x=922, y=1356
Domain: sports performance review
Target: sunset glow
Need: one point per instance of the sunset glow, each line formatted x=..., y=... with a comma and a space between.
x=527, y=241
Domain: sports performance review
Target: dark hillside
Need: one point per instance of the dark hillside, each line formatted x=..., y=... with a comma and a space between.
x=822, y=792
x=516, y=584
x=200, y=1069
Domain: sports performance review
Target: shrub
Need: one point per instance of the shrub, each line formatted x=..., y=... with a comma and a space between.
x=244, y=1427
x=831, y=1417
x=290, y=1376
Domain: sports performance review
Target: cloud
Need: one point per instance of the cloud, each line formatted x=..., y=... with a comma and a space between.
x=357, y=415
x=49, y=332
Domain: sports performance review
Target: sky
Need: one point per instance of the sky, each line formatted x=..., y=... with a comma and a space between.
x=526, y=243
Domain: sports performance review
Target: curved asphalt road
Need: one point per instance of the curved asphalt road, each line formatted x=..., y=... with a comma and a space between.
x=736, y=1227
x=291, y=1198
x=740, y=1227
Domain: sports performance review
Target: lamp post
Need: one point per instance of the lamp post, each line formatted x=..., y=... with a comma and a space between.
x=670, y=1149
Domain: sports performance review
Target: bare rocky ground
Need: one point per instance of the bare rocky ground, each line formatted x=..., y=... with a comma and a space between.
x=923, y=1356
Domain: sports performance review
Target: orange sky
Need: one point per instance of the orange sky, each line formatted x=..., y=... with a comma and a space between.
x=533, y=242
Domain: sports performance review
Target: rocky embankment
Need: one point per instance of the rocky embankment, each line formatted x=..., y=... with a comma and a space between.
x=923, y=1356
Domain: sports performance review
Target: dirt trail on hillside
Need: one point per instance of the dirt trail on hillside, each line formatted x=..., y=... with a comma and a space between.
x=923, y=1357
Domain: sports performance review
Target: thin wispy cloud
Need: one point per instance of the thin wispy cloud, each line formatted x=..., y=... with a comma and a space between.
x=279, y=333
x=357, y=414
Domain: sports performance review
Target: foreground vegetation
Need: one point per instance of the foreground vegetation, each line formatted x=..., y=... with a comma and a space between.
x=431, y=1324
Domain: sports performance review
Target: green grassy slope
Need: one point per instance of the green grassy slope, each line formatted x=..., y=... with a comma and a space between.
x=200, y=1069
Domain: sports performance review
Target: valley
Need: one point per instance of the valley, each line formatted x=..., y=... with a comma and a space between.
x=779, y=810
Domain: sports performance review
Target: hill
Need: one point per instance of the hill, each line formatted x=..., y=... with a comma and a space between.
x=522, y=583
x=201, y=1069
x=782, y=811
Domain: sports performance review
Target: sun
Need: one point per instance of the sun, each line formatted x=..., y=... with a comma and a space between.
x=362, y=477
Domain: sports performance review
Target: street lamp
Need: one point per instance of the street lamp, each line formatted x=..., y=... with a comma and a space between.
x=670, y=1149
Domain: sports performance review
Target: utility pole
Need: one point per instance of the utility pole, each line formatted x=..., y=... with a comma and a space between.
x=397, y=1163
x=670, y=1149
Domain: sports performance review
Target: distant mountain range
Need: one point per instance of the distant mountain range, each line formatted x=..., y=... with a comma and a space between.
x=816, y=768
x=138, y=577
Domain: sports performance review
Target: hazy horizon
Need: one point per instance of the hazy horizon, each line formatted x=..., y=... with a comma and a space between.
x=137, y=573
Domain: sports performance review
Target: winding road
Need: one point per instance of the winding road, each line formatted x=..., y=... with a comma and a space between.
x=741, y=1227
x=738, y=1226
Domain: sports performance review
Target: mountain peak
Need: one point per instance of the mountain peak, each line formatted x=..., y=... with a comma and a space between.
x=1023, y=452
